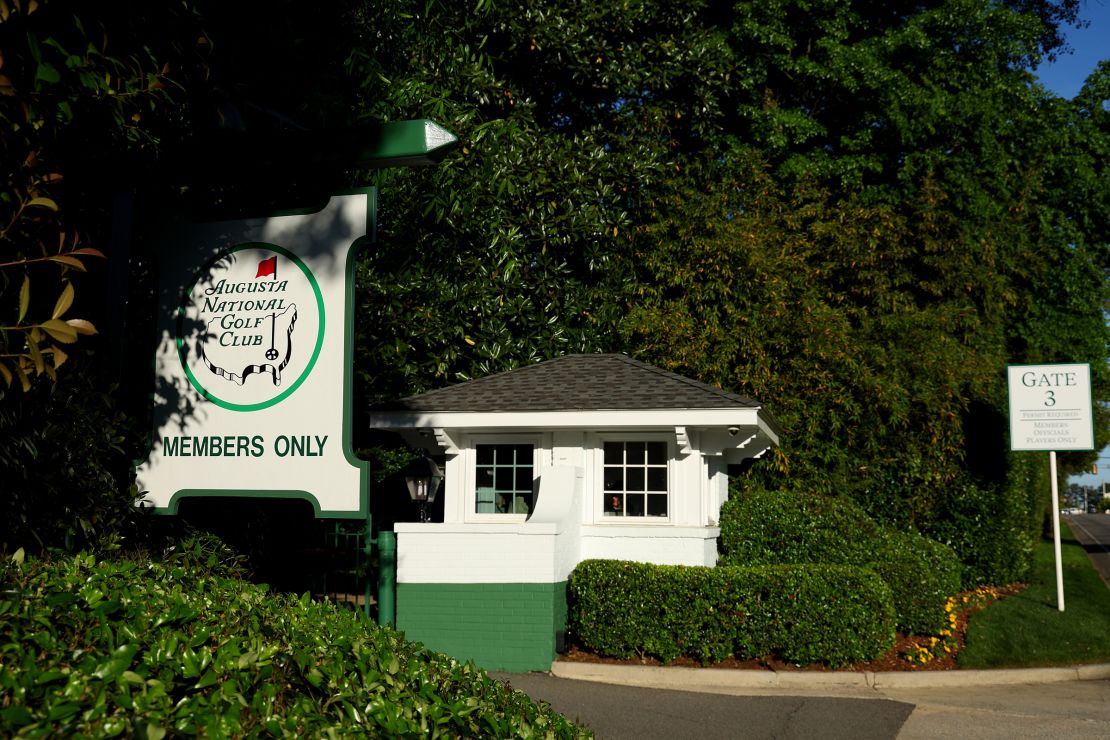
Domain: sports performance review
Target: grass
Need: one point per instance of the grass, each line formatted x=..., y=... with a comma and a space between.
x=1028, y=630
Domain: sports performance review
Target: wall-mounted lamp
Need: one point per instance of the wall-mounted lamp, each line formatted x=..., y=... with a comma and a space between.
x=423, y=478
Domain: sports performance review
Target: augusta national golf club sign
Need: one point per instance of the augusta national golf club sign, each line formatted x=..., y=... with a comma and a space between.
x=253, y=363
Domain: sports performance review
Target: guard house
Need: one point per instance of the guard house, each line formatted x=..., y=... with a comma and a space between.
x=579, y=457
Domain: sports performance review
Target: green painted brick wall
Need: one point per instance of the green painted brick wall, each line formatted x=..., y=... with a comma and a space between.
x=499, y=626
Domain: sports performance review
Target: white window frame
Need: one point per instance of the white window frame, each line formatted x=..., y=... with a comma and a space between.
x=598, y=469
x=470, y=503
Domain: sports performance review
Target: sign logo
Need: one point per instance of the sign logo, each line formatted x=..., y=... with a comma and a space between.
x=250, y=327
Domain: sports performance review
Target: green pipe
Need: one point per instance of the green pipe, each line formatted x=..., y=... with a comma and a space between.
x=387, y=578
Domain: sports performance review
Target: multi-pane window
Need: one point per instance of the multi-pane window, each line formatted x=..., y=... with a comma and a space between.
x=635, y=475
x=504, y=482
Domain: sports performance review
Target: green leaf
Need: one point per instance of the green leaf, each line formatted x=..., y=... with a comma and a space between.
x=119, y=661
x=65, y=300
x=24, y=297
x=42, y=202
x=59, y=330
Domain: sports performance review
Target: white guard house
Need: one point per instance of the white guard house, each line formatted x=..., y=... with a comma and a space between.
x=579, y=457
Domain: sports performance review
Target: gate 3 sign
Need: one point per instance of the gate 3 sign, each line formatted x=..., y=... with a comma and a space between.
x=1050, y=407
x=252, y=392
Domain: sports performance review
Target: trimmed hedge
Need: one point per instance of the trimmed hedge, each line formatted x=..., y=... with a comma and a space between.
x=780, y=527
x=150, y=649
x=803, y=613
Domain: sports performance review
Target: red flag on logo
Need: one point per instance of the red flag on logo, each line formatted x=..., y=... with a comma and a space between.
x=267, y=267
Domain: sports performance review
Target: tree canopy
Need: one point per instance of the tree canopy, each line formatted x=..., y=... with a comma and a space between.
x=856, y=212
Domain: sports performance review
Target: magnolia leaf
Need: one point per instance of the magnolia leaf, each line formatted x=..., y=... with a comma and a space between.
x=6, y=86
x=23, y=379
x=59, y=356
x=18, y=556
x=42, y=202
x=60, y=330
x=49, y=369
x=24, y=297
x=6, y=373
x=67, y=260
x=36, y=355
x=65, y=300
x=82, y=326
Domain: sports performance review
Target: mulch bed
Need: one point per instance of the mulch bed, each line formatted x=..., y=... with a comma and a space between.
x=892, y=660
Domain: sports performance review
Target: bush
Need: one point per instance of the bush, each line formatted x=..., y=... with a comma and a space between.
x=804, y=613
x=103, y=649
x=995, y=529
x=778, y=527
x=64, y=477
x=921, y=574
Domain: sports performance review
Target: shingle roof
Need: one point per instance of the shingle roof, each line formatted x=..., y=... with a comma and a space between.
x=575, y=383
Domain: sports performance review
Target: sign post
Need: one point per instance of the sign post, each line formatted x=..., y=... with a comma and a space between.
x=1050, y=410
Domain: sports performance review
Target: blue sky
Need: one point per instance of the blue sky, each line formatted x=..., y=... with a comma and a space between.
x=1064, y=77
x=1090, y=45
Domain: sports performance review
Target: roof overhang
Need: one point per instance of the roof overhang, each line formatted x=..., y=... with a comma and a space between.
x=734, y=433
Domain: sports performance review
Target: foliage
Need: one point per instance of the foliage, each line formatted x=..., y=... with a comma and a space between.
x=64, y=473
x=760, y=528
x=79, y=88
x=153, y=648
x=805, y=613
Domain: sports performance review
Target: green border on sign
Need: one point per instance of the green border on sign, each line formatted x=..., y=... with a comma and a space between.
x=205, y=270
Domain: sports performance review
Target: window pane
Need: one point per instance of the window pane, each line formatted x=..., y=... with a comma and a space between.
x=635, y=451
x=485, y=454
x=522, y=503
x=634, y=479
x=635, y=504
x=614, y=453
x=657, y=504
x=657, y=453
x=523, y=454
x=486, y=498
x=657, y=479
x=524, y=479
x=614, y=505
x=614, y=479
x=504, y=479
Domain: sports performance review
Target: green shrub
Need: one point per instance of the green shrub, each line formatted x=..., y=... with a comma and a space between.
x=804, y=613
x=779, y=527
x=995, y=529
x=62, y=467
x=921, y=574
x=145, y=649
x=776, y=527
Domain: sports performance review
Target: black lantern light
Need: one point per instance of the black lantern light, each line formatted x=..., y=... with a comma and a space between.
x=423, y=478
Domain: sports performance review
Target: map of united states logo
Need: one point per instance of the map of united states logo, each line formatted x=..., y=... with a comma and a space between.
x=242, y=329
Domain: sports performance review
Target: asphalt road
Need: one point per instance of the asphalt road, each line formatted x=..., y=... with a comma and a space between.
x=617, y=712
x=1026, y=710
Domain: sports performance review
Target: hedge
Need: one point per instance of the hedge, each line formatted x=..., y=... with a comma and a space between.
x=802, y=613
x=148, y=649
x=780, y=527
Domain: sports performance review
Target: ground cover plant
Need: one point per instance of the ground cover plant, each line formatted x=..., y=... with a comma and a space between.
x=155, y=649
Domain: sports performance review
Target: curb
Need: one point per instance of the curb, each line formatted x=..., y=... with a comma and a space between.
x=718, y=680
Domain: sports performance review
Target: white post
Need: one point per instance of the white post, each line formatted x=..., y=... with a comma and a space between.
x=1056, y=530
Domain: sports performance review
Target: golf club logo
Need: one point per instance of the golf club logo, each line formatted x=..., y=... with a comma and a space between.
x=250, y=327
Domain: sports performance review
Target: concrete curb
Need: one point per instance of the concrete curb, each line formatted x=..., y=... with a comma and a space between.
x=719, y=680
